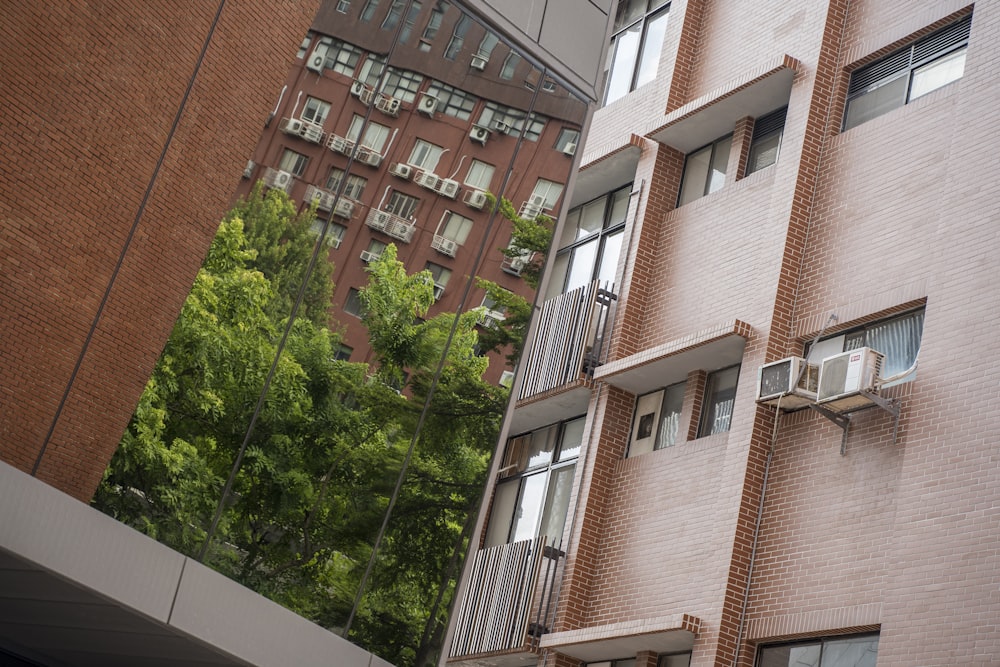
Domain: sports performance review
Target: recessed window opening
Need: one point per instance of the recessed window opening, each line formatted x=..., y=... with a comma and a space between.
x=705, y=170
x=766, y=140
x=634, y=55
x=657, y=419
x=857, y=651
x=891, y=82
x=720, y=397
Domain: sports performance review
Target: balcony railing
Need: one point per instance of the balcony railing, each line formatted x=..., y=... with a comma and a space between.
x=393, y=225
x=571, y=338
x=510, y=601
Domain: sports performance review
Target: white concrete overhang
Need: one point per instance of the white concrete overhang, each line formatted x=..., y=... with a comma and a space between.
x=708, y=350
x=79, y=588
x=714, y=115
x=564, y=402
x=664, y=634
x=606, y=168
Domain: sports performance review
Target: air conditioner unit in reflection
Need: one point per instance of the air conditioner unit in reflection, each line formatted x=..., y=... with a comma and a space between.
x=368, y=256
x=569, y=149
x=428, y=104
x=387, y=105
x=845, y=378
x=402, y=170
x=427, y=179
x=311, y=132
x=281, y=179
x=478, y=62
x=340, y=144
x=318, y=58
x=324, y=200
x=447, y=188
x=248, y=170
x=357, y=88
x=368, y=156
x=790, y=383
x=500, y=126
x=479, y=134
x=291, y=126
x=444, y=245
x=344, y=208
x=476, y=199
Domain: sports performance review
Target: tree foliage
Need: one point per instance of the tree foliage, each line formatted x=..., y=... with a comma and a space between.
x=328, y=443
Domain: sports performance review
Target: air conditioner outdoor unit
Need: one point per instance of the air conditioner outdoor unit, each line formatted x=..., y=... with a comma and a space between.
x=368, y=256
x=500, y=126
x=538, y=201
x=844, y=379
x=479, y=134
x=478, y=62
x=291, y=126
x=339, y=144
x=402, y=170
x=438, y=291
x=569, y=149
x=427, y=179
x=248, y=170
x=318, y=58
x=447, y=188
x=282, y=179
x=344, y=208
x=380, y=220
x=476, y=199
x=776, y=383
x=387, y=105
x=324, y=200
x=533, y=207
x=428, y=104
x=491, y=319
x=357, y=88
x=444, y=245
x=369, y=157
x=311, y=132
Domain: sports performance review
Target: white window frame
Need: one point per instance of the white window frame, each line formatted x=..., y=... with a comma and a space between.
x=425, y=155
x=293, y=162
x=315, y=110
x=375, y=134
x=454, y=227
x=480, y=175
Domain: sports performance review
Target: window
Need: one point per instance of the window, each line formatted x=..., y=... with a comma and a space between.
x=343, y=353
x=340, y=56
x=441, y=275
x=494, y=114
x=315, y=111
x=457, y=37
x=675, y=660
x=567, y=136
x=353, y=189
x=304, y=46
x=720, y=395
x=927, y=64
x=591, y=242
x=402, y=205
x=452, y=101
x=343, y=6
x=548, y=190
x=532, y=497
x=898, y=338
x=375, y=134
x=425, y=155
x=371, y=70
x=433, y=25
x=352, y=305
x=634, y=54
x=402, y=84
x=293, y=162
x=480, y=175
x=705, y=170
x=486, y=46
x=657, y=418
x=392, y=18
x=454, y=227
x=411, y=18
x=374, y=250
x=766, y=140
x=859, y=651
x=369, y=11
x=510, y=64
x=626, y=662
x=334, y=235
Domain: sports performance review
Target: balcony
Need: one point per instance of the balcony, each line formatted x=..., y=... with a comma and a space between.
x=509, y=602
x=304, y=129
x=390, y=224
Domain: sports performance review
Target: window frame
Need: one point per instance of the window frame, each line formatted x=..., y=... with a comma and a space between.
x=655, y=9
x=821, y=641
x=765, y=128
x=706, y=188
x=375, y=134
x=905, y=63
x=480, y=182
x=706, y=420
x=425, y=155
x=320, y=112
x=301, y=162
x=450, y=219
x=353, y=189
x=656, y=423
x=402, y=205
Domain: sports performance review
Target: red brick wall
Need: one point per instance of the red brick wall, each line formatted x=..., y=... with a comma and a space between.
x=92, y=93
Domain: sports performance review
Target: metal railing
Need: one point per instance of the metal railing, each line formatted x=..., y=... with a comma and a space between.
x=571, y=338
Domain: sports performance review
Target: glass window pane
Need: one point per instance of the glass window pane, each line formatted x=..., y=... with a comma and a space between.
x=670, y=415
x=656, y=27
x=626, y=47
x=572, y=439
x=500, y=515
x=851, y=652
x=591, y=218
x=644, y=422
x=529, y=507
x=619, y=206
x=763, y=152
x=876, y=102
x=581, y=269
x=557, y=277
x=557, y=503
x=628, y=11
x=720, y=395
x=939, y=73
x=800, y=655
x=696, y=169
x=569, y=233
x=541, y=446
x=609, y=257
x=898, y=340
x=676, y=660
x=720, y=160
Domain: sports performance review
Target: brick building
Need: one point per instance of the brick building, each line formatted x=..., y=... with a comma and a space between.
x=397, y=120
x=807, y=182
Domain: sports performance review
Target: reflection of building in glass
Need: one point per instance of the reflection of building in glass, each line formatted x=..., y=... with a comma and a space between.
x=423, y=127
x=803, y=197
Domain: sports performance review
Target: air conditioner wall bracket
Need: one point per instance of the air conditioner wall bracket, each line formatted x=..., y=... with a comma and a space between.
x=843, y=419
